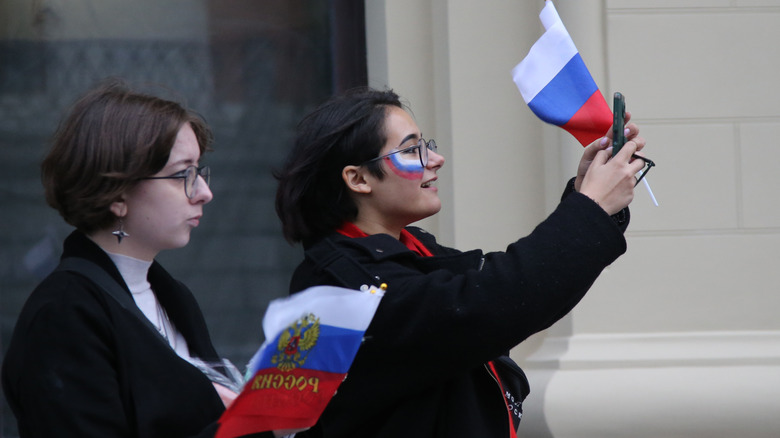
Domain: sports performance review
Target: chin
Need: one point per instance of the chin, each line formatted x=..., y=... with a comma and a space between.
x=428, y=214
x=180, y=242
x=435, y=209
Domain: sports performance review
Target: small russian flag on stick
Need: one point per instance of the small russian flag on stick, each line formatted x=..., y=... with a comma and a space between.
x=557, y=86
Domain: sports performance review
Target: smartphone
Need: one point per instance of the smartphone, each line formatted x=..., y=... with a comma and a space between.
x=618, y=122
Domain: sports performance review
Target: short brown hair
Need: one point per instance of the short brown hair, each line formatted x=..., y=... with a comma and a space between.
x=112, y=137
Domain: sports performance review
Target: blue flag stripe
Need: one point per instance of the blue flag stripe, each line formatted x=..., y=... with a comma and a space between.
x=334, y=351
x=566, y=93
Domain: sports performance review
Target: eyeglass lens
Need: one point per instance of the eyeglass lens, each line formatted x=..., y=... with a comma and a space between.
x=191, y=179
x=424, y=147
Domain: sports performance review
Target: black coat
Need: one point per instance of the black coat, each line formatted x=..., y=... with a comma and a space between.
x=420, y=371
x=80, y=365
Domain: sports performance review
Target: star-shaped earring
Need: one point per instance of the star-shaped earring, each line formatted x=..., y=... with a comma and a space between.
x=120, y=233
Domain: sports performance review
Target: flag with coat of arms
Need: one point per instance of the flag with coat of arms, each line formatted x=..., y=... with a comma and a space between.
x=312, y=338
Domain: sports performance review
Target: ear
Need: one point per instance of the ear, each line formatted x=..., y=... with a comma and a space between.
x=119, y=207
x=355, y=179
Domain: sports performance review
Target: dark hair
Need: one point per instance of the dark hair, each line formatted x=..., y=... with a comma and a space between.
x=348, y=129
x=112, y=137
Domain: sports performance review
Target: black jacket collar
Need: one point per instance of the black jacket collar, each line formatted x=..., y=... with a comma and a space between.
x=337, y=249
x=173, y=296
x=77, y=244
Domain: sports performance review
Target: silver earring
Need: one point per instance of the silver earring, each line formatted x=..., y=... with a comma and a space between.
x=120, y=233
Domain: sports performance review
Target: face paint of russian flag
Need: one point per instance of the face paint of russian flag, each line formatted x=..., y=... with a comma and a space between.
x=557, y=86
x=406, y=164
x=312, y=338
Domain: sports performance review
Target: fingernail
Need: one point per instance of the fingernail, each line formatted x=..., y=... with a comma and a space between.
x=626, y=131
x=604, y=141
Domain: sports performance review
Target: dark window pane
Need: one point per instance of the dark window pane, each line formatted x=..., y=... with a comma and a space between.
x=252, y=68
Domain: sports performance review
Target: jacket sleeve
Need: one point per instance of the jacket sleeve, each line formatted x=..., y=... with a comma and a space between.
x=65, y=381
x=621, y=218
x=63, y=375
x=466, y=317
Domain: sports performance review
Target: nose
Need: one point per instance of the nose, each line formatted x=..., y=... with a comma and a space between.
x=202, y=192
x=435, y=160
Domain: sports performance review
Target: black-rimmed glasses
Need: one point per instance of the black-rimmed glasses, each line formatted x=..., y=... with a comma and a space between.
x=648, y=164
x=190, y=177
x=422, y=152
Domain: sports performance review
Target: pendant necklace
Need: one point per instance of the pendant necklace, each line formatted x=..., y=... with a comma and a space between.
x=162, y=323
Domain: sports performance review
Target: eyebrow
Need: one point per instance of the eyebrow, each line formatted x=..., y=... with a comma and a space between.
x=407, y=138
x=187, y=161
x=184, y=161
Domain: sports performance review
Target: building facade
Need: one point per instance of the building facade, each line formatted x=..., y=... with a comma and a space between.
x=680, y=337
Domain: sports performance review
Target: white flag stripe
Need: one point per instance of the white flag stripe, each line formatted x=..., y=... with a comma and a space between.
x=549, y=15
x=335, y=306
x=547, y=57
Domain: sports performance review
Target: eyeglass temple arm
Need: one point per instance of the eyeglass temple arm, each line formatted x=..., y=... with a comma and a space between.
x=650, y=163
x=647, y=161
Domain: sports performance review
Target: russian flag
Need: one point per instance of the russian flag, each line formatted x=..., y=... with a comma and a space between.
x=557, y=86
x=312, y=338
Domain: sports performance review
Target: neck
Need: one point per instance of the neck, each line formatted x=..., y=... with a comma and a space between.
x=375, y=227
x=128, y=247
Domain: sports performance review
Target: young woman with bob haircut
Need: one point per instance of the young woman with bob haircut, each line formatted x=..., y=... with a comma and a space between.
x=109, y=344
x=434, y=360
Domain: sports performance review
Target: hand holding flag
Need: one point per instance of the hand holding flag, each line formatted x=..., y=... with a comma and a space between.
x=558, y=88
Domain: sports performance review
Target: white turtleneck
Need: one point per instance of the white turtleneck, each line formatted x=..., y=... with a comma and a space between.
x=135, y=272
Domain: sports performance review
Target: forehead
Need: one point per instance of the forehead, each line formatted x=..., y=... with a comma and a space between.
x=185, y=148
x=398, y=126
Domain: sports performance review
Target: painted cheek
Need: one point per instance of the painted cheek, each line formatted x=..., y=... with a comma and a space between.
x=408, y=169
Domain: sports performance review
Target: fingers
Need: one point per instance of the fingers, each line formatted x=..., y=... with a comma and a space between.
x=227, y=396
x=625, y=155
x=609, y=180
x=635, y=129
x=639, y=147
x=602, y=157
x=631, y=130
x=634, y=145
x=593, y=148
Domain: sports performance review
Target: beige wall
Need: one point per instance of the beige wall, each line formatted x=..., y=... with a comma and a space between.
x=443, y=57
x=680, y=337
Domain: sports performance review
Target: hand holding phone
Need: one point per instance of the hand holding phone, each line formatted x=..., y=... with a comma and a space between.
x=618, y=122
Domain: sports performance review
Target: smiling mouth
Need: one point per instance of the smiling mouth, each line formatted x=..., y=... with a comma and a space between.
x=427, y=184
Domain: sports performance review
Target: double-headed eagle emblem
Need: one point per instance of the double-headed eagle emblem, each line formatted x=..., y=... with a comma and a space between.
x=296, y=341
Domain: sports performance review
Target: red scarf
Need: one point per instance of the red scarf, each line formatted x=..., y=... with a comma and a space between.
x=351, y=230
